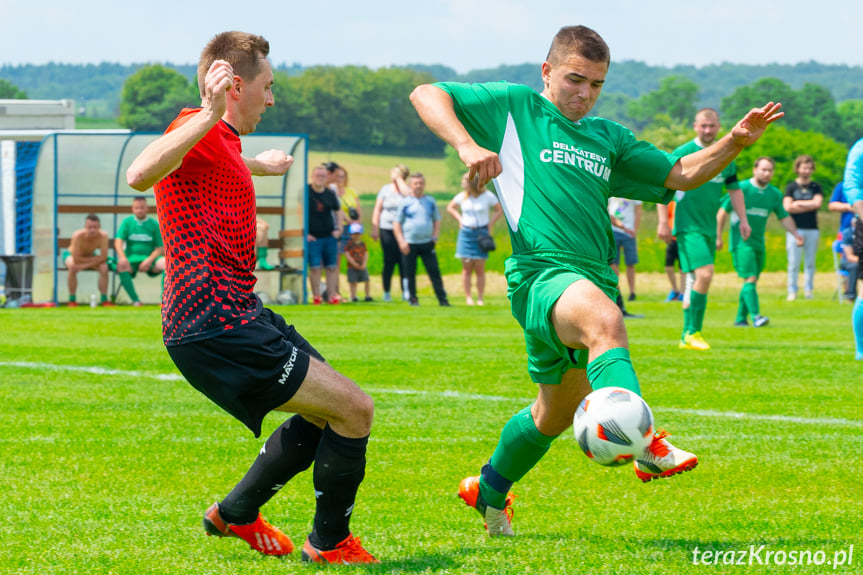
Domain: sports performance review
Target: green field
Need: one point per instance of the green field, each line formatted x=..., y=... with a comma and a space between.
x=109, y=459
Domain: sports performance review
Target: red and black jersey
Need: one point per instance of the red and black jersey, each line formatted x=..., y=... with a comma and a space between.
x=207, y=213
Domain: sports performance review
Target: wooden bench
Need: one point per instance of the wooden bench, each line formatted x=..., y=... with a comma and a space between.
x=276, y=244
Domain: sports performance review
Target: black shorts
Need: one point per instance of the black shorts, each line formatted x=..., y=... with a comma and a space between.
x=250, y=370
x=671, y=254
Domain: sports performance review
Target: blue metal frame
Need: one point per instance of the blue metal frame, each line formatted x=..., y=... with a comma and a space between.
x=116, y=195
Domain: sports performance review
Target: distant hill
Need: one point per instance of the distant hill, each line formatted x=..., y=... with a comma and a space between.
x=96, y=88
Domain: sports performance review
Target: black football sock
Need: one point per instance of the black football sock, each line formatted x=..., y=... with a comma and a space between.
x=340, y=465
x=288, y=451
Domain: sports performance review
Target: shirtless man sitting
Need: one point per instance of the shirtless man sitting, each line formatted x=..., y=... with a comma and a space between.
x=88, y=250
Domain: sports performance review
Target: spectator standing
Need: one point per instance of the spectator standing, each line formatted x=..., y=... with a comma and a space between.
x=839, y=203
x=672, y=256
x=383, y=216
x=849, y=262
x=625, y=221
x=803, y=198
x=350, y=201
x=325, y=226
x=357, y=256
x=138, y=247
x=470, y=208
x=416, y=228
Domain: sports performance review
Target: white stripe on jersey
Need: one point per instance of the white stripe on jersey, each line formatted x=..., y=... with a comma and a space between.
x=510, y=183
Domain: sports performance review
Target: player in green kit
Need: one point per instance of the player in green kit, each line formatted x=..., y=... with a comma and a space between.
x=761, y=199
x=554, y=169
x=695, y=228
x=139, y=247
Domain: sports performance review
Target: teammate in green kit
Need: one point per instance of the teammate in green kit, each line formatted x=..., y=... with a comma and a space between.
x=554, y=169
x=139, y=247
x=748, y=255
x=695, y=228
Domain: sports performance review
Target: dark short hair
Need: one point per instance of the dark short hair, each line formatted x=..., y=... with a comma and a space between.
x=803, y=159
x=331, y=167
x=93, y=218
x=139, y=199
x=418, y=175
x=580, y=40
x=766, y=159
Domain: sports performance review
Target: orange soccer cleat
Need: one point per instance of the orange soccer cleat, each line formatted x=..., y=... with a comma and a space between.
x=348, y=552
x=661, y=459
x=497, y=521
x=260, y=535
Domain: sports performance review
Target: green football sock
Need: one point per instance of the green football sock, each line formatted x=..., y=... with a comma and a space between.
x=742, y=310
x=750, y=296
x=72, y=297
x=519, y=449
x=613, y=368
x=103, y=298
x=128, y=285
x=262, y=258
x=697, y=307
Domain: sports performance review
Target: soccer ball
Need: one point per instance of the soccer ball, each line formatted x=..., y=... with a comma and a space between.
x=613, y=426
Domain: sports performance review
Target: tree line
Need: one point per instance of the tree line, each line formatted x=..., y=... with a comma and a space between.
x=352, y=108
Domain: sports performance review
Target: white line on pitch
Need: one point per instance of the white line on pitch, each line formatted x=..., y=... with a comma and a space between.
x=829, y=421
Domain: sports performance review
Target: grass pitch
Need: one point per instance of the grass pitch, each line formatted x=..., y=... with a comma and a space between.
x=109, y=459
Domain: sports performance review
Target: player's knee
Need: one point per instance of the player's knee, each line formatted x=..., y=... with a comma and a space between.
x=357, y=412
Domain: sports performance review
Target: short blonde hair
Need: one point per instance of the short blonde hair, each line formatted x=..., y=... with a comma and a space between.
x=241, y=50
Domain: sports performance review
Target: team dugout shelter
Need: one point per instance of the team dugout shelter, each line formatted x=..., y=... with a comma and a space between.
x=79, y=173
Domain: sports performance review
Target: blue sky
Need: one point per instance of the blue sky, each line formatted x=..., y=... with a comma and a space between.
x=461, y=34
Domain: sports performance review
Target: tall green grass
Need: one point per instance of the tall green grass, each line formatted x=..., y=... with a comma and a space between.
x=109, y=459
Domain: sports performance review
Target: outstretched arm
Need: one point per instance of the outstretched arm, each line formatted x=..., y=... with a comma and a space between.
x=695, y=169
x=435, y=108
x=165, y=154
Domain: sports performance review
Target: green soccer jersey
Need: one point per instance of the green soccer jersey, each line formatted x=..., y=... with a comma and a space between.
x=141, y=237
x=558, y=174
x=696, y=209
x=760, y=203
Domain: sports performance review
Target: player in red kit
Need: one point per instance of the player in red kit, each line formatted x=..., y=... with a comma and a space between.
x=246, y=358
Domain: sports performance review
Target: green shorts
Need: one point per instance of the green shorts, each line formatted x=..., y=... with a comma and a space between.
x=748, y=262
x=696, y=250
x=134, y=263
x=534, y=284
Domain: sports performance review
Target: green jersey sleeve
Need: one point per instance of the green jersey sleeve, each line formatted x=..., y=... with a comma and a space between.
x=482, y=109
x=641, y=170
